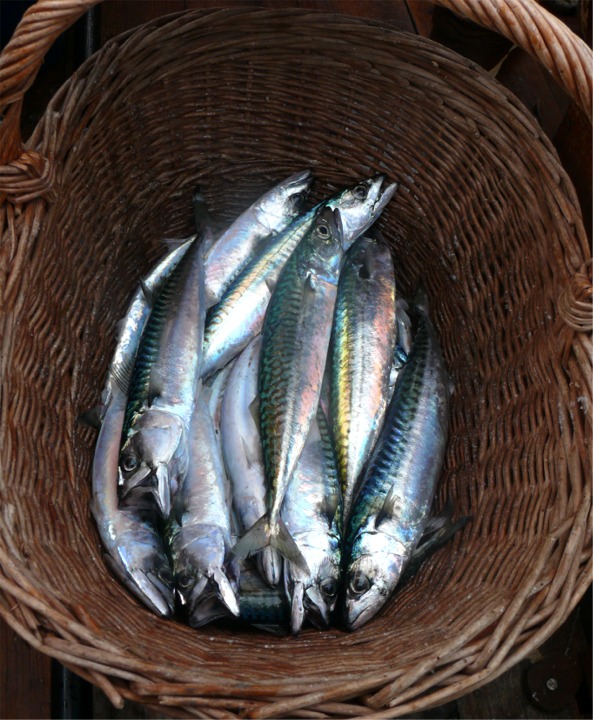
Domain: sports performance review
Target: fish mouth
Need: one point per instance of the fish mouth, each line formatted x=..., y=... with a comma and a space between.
x=384, y=194
x=317, y=609
x=210, y=590
x=154, y=592
x=356, y=614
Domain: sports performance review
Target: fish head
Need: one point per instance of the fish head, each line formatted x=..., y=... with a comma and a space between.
x=371, y=576
x=325, y=240
x=201, y=573
x=285, y=200
x=361, y=204
x=314, y=594
x=155, y=455
x=140, y=562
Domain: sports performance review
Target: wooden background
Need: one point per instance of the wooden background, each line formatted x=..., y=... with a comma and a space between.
x=555, y=682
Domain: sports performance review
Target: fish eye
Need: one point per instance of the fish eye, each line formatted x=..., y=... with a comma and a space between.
x=129, y=463
x=329, y=588
x=360, y=192
x=184, y=580
x=323, y=231
x=297, y=199
x=360, y=584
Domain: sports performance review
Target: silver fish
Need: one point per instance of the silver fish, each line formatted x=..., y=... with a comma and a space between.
x=199, y=532
x=295, y=342
x=164, y=384
x=135, y=551
x=391, y=508
x=270, y=214
x=362, y=350
x=239, y=316
x=241, y=445
x=312, y=512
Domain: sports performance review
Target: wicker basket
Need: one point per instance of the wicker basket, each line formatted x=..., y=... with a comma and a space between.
x=485, y=215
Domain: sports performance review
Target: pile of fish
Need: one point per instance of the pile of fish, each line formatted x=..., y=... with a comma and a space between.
x=274, y=419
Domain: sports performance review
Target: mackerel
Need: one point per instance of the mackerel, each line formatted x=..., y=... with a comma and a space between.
x=363, y=346
x=312, y=512
x=269, y=215
x=295, y=342
x=239, y=316
x=241, y=445
x=391, y=508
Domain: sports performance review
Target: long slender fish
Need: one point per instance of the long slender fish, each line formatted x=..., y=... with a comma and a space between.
x=312, y=512
x=200, y=527
x=239, y=316
x=270, y=214
x=295, y=342
x=241, y=445
x=391, y=508
x=164, y=384
x=363, y=345
x=134, y=550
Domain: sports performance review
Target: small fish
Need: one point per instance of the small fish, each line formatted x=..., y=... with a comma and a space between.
x=269, y=215
x=164, y=384
x=312, y=512
x=363, y=345
x=239, y=316
x=295, y=343
x=241, y=445
x=199, y=532
x=391, y=508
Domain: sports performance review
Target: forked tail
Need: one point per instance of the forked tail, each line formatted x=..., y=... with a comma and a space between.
x=264, y=534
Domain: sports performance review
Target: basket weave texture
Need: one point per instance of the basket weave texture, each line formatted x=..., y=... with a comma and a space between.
x=485, y=217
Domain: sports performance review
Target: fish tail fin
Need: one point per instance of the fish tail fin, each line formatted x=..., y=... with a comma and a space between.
x=263, y=534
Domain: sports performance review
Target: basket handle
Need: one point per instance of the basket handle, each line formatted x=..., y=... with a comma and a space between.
x=524, y=22
x=21, y=59
x=568, y=58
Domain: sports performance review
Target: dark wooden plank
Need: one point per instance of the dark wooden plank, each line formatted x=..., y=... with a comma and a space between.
x=573, y=141
x=25, y=678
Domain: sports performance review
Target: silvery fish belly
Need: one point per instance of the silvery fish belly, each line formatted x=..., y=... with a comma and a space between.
x=312, y=512
x=268, y=215
x=134, y=550
x=199, y=531
x=164, y=384
x=392, y=505
x=295, y=342
x=239, y=316
x=361, y=356
x=241, y=445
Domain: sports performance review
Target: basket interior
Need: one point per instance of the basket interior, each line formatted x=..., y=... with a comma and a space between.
x=484, y=218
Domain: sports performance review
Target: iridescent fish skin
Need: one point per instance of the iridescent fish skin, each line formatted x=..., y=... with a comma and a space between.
x=241, y=444
x=239, y=316
x=295, y=343
x=270, y=214
x=164, y=384
x=199, y=531
x=312, y=512
x=362, y=350
x=392, y=506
